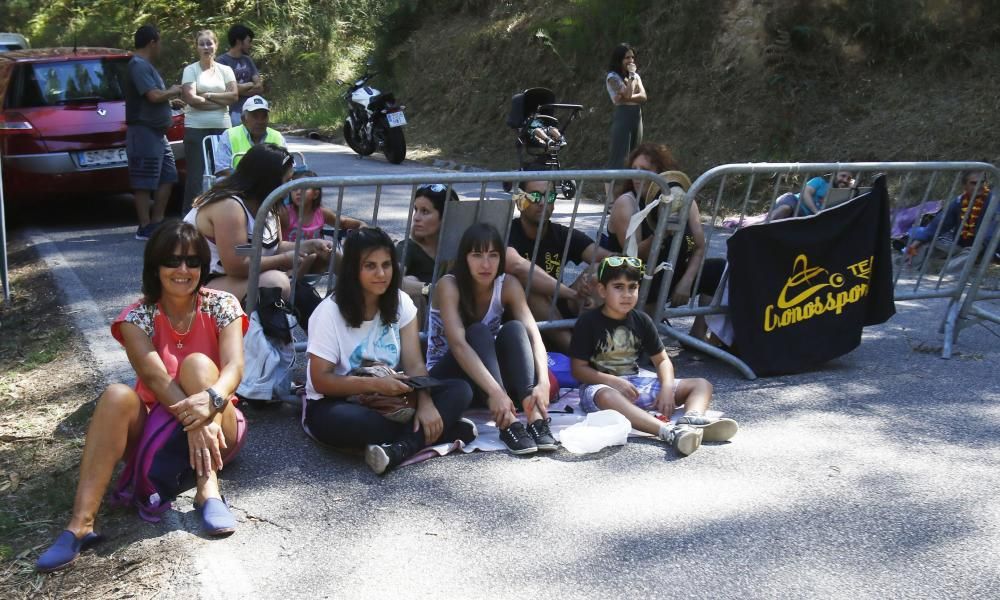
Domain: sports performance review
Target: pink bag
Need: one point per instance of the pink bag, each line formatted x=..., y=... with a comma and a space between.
x=158, y=468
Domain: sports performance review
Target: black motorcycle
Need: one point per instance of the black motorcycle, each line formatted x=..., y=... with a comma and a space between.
x=374, y=120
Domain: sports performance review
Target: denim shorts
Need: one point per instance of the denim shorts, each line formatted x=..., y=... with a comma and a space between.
x=150, y=159
x=646, y=382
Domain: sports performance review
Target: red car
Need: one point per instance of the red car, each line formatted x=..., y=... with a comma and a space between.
x=62, y=129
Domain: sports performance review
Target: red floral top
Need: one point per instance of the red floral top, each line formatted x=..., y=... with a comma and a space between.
x=214, y=311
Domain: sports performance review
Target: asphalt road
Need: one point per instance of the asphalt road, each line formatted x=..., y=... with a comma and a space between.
x=873, y=477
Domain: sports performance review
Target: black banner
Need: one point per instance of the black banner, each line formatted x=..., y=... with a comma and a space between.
x=801, y=290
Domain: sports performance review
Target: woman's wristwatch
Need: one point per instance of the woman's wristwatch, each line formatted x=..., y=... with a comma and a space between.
x=218, y=402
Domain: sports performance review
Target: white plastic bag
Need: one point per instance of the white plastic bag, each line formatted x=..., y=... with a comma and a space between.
x=601, y=429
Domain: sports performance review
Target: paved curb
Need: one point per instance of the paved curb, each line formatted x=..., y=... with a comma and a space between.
x=106, y=352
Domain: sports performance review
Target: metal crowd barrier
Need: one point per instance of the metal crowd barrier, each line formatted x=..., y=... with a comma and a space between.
x=740, y=189
x=496, y=209
x=741, y=185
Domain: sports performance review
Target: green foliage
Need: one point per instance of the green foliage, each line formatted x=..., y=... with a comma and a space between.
x=300, y=46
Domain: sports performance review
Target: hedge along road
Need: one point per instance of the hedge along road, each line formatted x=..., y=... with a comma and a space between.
x=872, y=476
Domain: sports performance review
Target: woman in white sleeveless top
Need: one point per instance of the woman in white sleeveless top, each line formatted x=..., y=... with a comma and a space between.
x=226, y=214
x=505, y=363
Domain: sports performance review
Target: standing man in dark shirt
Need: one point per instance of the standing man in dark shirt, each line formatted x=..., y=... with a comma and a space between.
x=536, y=201
x=247, y=76
x=151, y=167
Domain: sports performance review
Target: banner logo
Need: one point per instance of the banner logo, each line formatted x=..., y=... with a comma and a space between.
x=806, y=286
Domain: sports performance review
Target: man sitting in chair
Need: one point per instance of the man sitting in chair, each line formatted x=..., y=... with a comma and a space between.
x=237, y=140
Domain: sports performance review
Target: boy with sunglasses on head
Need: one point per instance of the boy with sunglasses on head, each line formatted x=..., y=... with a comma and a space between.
x=605, y=350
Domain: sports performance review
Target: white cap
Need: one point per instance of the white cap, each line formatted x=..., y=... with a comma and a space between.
x=256, y=103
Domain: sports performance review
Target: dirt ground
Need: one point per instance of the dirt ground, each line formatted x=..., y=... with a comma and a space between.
x=48, y=388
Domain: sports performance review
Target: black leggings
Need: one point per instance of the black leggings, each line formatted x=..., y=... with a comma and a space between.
x=343, y=424
x=508, y=358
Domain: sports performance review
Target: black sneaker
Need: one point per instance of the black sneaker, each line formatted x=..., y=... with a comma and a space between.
x=542, y=435
x=382, y=457
x=684, y=438
x=464, y=430
x=517, y=439
x=715, y=429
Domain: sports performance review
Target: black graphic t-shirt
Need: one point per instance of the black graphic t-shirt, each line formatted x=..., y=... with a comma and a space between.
x=551, y=247
x=612, y=346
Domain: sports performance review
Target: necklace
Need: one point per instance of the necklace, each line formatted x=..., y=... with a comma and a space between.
x=178, y=336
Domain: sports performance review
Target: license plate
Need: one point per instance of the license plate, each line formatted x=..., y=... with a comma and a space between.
x=396, y=119
x=103, y=158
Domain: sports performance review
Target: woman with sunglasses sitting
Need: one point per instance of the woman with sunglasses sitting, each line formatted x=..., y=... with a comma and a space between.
x=370, y=321
x=226, y=214
x=185, y=343
x=505, y=363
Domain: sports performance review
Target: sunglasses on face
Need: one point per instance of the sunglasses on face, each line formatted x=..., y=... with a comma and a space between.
x=616, y=261
x=174, y=262
x=538, y=197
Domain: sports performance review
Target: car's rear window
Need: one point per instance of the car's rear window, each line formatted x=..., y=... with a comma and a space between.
x=68, y=82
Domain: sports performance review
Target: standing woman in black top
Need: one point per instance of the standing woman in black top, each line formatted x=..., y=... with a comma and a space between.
x=628, y=95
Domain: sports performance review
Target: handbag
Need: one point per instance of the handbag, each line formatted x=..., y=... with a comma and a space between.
x=273, y=313
x=399, y=409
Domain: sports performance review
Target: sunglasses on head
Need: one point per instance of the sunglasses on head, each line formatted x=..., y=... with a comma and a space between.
x=538, y=197
x=435, y=188
x=173, y=262
x=616, y=261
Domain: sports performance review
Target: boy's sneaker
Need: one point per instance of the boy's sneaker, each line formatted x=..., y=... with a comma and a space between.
x=684, y=438
x=464, y=430
x=382, y=457
x=517, y=439
x=542, y=435
x=715, y=429
x=143, y=233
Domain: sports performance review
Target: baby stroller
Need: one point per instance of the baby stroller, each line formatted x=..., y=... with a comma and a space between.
x=541, y=133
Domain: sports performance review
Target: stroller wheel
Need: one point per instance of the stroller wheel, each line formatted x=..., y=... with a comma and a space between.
x=568, y=189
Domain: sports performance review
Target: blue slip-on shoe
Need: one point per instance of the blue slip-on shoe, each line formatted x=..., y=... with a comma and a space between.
x=65, y=550
x=216, y=518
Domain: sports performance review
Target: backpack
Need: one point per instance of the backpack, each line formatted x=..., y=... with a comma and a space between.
x=158, y=468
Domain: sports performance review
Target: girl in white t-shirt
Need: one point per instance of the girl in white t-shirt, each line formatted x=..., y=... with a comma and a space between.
x=208, y=88
x=370, y=320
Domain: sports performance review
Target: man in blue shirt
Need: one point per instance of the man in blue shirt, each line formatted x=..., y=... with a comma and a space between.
x=810, y=200
x=151, y=165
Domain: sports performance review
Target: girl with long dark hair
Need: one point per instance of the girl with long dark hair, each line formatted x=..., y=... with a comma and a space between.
x=370, y=321
x=506, y=363
x=225, y=215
